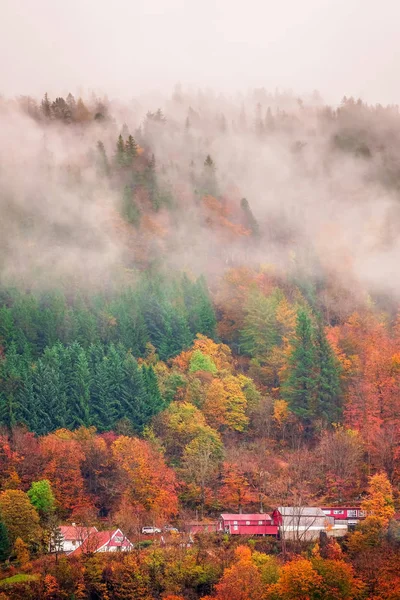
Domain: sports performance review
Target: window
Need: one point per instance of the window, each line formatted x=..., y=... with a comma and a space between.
x=326, y=511
x=247, y=522
x=235, y=522
x=260, y=522
x=351, y=513
x=361, y=513
x=235, y=528
x=338, y=512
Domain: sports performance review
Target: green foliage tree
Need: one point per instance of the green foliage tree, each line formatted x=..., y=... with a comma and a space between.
x=202, y=362
x=41, y=496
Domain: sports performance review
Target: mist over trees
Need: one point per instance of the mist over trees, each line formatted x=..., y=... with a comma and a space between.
x=199, y=313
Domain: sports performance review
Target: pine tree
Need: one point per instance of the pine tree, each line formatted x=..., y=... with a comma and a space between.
x=130, y=210
x=5, y=545
x=209, y=178
x=45, y=107
x=48, y=390
x=131, y=148
x=134, y=397
x=120, y=156
x=301, y=384
x=102, y=160
x=152, y=184
x=205, y=311
x=328, y=383
x=77, y=386
x=250, y=221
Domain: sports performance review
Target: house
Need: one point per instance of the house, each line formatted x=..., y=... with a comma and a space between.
x=306, y=523
x=351, y=515
x=69, y=537
x=104, y=541
x=247, y=524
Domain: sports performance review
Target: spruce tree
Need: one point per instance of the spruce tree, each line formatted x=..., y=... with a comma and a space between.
x=207, y=321
x=250, y=221
x=120, y=156
x=300, y=387
x=102, y=160
x=77, y=386
x=131, y=148
x=130, y=210
x=209, y=179
x=328, y=381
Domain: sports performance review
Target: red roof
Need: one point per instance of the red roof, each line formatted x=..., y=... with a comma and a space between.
x=100, y=539
x=249, y=517
x=73, y=532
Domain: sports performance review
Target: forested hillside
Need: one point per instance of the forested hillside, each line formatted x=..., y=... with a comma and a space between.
x=199, y=312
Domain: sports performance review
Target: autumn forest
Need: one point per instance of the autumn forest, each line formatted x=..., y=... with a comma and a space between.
x=199, y=315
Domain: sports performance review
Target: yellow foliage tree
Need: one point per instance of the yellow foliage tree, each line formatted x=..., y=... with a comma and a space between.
x=379, y=502
x=21, y=551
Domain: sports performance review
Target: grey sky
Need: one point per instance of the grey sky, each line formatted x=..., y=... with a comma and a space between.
x=126, y=46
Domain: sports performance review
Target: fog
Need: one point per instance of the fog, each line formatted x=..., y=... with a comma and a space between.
x=127, y=47
x=321, y=177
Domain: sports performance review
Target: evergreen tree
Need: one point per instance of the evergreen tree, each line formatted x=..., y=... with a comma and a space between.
x=7, y=327
x=130, y=210
x=134, y=398
x=5, y=544
x=45, y=107
x=300, y=387
x=328, y=382
x=131, y=148
x=151, y=184
x=250, y=221
x=209, y=178
x=105, y=408
x=102, y=160
x=77, y=386
x=158, y=326
x=207, y=321
x=48, y=390
x=120, y=156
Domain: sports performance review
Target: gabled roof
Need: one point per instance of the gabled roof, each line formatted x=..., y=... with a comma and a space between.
x=99, y=540
x=301, y=511
x=74, y=532
x=245, y=517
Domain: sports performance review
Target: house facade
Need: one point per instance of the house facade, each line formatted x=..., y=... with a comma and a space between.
x=247, y=524
x=350, y=515
x=69, y=537
x=304, y=523
x=104, y=541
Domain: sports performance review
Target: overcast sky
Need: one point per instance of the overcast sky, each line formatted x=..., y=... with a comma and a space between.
x=124, y=47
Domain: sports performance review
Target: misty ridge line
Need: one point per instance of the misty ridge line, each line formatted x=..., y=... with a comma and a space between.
x=321, y=186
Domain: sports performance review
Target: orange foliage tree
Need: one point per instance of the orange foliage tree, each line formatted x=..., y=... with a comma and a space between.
x=151, y=485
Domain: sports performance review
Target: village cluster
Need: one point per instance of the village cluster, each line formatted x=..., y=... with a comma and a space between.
x=285, y=522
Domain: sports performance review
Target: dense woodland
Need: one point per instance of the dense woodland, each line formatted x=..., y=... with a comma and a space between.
x=199, y=312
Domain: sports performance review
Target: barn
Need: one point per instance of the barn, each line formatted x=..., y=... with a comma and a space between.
x=247, y=524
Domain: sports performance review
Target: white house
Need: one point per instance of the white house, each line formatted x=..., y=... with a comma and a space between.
x=69, y=537
x=104, y=541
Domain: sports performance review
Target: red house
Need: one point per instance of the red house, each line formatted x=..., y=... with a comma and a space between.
x=252, y=524
x=104, y=541
x=351, y=514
